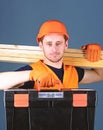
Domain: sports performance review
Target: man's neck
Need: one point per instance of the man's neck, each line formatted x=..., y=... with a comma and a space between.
x=53, y=64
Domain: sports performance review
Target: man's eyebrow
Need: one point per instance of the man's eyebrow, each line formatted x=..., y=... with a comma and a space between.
x=48, y=42
x=59, y=41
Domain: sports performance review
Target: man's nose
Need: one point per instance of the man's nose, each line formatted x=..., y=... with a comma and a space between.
x=54, y=48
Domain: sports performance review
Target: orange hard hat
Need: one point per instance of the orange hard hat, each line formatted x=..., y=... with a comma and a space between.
x=52, y=26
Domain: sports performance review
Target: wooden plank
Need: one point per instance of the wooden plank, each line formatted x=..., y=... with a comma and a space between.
x=29, y=54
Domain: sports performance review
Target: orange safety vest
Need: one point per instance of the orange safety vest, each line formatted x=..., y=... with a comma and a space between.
x=70, y=78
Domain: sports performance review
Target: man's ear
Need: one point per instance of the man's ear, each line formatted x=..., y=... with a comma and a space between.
x=40, y=44
x=66, y=43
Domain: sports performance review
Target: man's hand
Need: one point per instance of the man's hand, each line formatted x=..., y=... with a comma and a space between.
x=93, y=51
x=43, y=78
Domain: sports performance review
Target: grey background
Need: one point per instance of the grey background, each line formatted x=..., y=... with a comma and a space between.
x=20, y=21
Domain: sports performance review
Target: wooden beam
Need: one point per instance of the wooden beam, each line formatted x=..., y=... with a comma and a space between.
x=29, y=54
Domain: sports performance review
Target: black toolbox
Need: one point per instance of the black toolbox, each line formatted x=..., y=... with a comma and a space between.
x=28, y=109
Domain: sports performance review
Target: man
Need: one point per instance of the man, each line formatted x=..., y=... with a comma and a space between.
x=51, y=72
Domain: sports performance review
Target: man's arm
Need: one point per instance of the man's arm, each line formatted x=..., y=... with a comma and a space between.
x=93, y=53
x=92, y=75
x=11, y=79
x=15, y=78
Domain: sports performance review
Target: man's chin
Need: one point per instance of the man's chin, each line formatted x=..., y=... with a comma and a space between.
x=55, y=60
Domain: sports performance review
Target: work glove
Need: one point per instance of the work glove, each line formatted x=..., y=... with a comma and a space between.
x=43, y=79
x=93, y=51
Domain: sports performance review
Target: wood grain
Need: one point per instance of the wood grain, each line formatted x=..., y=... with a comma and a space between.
x=29, y=54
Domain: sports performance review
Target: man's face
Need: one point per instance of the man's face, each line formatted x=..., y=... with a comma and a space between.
x=53, y=46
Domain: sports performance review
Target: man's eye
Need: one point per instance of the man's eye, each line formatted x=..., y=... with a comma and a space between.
x=58, y=43
x=49, y=44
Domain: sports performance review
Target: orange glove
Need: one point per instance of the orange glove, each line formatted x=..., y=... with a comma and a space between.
x=93, y=51
x=43, y=78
